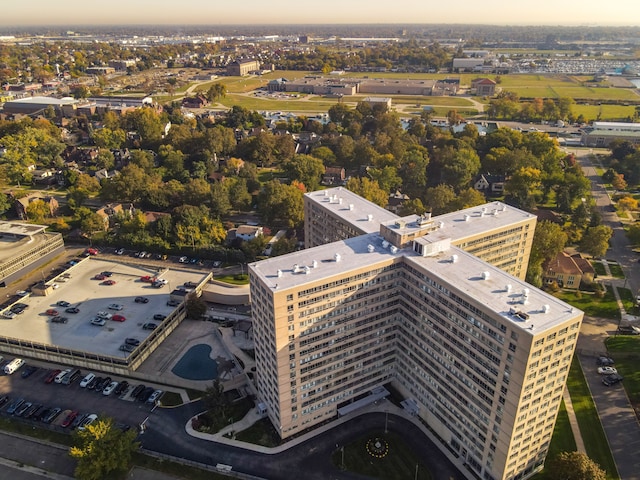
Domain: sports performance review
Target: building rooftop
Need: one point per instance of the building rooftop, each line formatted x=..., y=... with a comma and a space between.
x=39, y=100
x=497, y=290
x=20, y=229
x=340, y=201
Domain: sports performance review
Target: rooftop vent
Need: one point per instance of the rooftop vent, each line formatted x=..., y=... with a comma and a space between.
x=279, y=273
x=454, y=258
x=371, y=248
x=440, y=224
x=337, y=257
x=508, y=288
x=351, y=206
x=525, y=292
x=314, y=264
x=495, y=212
x=326, y=193
x=385, y=244
x=483, y=211
x=394, y=249
x=370, y=218
x=467, y=218
x=504, y=208
x=307, y=270
x=485, y=275
x=295, y=268
x=545, y=309
x=340, y=201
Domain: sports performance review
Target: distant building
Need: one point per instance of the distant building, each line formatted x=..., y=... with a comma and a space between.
x=21, y=204
x=248, y=232
x=489, y=184
x=600, y=134
x=484, y=87
x=334, y=176
x=38, y=105
x=240, y=68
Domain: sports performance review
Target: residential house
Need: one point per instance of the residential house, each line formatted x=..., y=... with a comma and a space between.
x=247, y=233
x=21, y=204
x=199, y=101
x=334, y=176
x=568, y=271
x=490, y=184
x=396, y=200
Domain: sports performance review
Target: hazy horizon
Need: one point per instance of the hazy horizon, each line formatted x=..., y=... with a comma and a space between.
x=357, y=12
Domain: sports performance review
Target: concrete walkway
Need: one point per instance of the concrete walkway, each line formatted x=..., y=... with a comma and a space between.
x=573, y=421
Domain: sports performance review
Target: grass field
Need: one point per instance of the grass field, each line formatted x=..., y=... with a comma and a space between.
x=591, y=429
x=625, y=350
x=605, y=307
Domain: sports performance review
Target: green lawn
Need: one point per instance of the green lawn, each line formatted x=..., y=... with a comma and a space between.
x=399, y=464
x=599, y=268
x=605, y=307
x=561, y=441
x=234, y=279
x=260, y=433
x=591, y=429
x=616, y=270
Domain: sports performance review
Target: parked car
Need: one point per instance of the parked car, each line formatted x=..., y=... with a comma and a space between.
x=155, y=396
x=604, y=361
x=51, y=376
x=628, y=330
x=59, y=319
x=607, y=370
x=62, y=303
x=108, y=390
x=92, y=384
x=3, y=400
x=115, y=306
x=106, y=273
x=8, y=314
x=52, y=415
x=20, y=411
x=119, y=251
x=69, y=418
x=88, y=420
x=28, y=371
x=122, y=386
x=78, y=420
x=136, y=391
x=183, y=259
x=609, y=380
x=103, y=314
x=109, y=282
x=145, y=394
x=99, y=322
x=52, y=312
x=15, y=405
x=173, y=303
x=87, y=380
x=19, y=308
x=149, y=326
x=72, y=310
x=132, y=341
x=99, y=276
x=159, y=317
x=142, y=300
x=118, y=318
x=125, y=347
x=103, y=384
x=22, y=293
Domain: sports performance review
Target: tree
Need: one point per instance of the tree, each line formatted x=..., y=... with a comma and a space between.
x=634, y=233
x=628, y=203
x=595, y=241
x=305, y=169
x=618, y=182
x=37, y=211
x=368, y=189
x=215, y=399
x=195, y=306
x=440, y=198
x=575, y=466
x=549, y=240
x=102, y=448
x=281, y=204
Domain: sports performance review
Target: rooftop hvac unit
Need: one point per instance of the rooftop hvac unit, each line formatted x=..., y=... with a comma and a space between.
x=295, y=268
x=485, y=275
x=314, y=264
x=440, y=224
x=307, y=270
x=351, y=206
x=394, y=249
x=508, y=288
x=279, y=273
x=370, y=218
x=454, y=258
x=545, y=309
x=337, y=257
x=385, y=244
x=467, y=218
x=371, y=248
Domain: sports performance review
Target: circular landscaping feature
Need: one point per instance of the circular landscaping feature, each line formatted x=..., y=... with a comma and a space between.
x=197, y=364
x=377, y=447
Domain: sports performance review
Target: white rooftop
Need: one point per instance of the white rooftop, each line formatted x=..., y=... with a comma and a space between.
x=45, y=100
x=20, y=229
x=466, y=275
x=339, y=201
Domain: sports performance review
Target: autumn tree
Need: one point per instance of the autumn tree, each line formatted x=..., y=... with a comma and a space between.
x=595, y=241
x=628, y=203
x=575, y=466
x=281, y=204
x=618, y=182
x=368, y=189
x=548, y=241
x=305, y=169
x=37, y=210
x=102, y=449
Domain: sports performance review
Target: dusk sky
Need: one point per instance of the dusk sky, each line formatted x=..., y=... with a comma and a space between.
x=222, y=12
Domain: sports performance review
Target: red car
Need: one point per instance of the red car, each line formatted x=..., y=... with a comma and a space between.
x=146, y=279
x=52, y=312
x=99, y=277
x=118, y=318
x=92, y=251
x=52, y=375
x=69, y=419
x=109, y=282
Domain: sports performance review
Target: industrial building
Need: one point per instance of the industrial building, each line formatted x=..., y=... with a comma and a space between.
x=435, y=307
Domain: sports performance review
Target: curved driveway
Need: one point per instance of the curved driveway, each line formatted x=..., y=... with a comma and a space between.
x=166, y=434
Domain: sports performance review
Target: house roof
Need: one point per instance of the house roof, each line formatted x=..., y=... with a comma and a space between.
x=566, y=264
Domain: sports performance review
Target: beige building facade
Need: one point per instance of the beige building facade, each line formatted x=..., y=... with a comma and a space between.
x=482, y=356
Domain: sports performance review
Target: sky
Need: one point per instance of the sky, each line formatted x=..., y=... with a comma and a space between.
x=225, y=12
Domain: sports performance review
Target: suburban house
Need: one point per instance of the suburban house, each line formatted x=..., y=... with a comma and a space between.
x=568, y=271
x=484, y=87
x=21, y=204
x=198, y=101
x=396, y=200
x=490, y=184
x=110, y=210
x=245, y=233
x=334, y=176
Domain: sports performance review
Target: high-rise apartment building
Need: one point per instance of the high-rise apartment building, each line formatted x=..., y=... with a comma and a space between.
x=434, y=306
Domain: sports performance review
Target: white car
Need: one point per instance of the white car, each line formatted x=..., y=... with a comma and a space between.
x=89, y=419
x=86, y=380
x=607, y=370
x=120, y=251
x=100, y=322
x=105, y=315
x=115, y=306
x=183, y=259
x=8, y=314
x=22, y=293
x=110, y=388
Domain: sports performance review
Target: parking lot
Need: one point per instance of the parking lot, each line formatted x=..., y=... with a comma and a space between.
x=90, y=291
x=126, y=410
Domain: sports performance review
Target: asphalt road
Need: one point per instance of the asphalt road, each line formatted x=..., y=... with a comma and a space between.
x=166, y=434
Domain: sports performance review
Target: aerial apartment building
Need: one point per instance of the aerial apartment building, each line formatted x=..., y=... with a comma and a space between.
x=436, y=307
